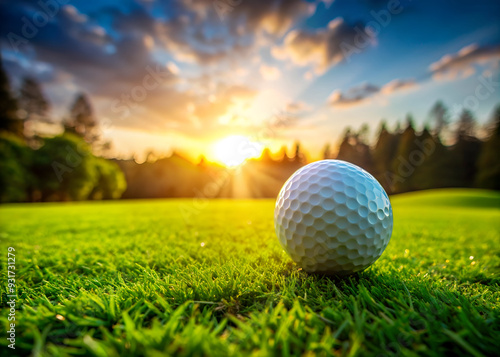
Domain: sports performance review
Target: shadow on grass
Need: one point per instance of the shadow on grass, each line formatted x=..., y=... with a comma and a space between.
x=346, y=285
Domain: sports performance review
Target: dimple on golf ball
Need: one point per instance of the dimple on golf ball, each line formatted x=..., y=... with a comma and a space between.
x=333, y=217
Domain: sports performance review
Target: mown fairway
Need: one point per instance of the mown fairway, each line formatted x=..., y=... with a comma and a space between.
x=184, y=277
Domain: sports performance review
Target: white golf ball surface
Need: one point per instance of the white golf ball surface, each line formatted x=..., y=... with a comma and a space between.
x=333, y=217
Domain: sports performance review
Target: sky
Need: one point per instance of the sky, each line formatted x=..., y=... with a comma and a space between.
x=188, y=74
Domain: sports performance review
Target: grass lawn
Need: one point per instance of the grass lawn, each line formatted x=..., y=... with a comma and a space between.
x=184, y=277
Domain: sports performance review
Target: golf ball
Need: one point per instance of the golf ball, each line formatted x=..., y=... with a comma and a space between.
x=333, y=217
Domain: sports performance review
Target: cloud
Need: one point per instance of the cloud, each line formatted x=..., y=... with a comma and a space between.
x=209, y=110
x=273, y=17
x=296, y=107
x=325, y=47
x=114, y=72
x=183, y=36
x=137, y=21
x=210, y=32
x=72, y=43
x=462, y=63
x=276, y=17
x=361, y=94
x=398, y=85
x=109, y=54
x=269, y=73
x=353, y=96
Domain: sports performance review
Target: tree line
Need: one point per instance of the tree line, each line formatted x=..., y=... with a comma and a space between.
x=68, y=165
x=58, y=168
x=449, y=154
x=446, y=154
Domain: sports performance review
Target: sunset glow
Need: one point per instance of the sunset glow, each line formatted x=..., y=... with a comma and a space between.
x=236, y=149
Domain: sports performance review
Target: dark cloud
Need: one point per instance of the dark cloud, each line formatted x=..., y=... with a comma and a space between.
x=111, y=55
x=137, y=20
x=360, y=94
x=353, y=96
x=17, y=71
x=73, y=44
x=25, y=25
x=185, y=36
x=185, y=46
x=325, y=47
x=274, y=17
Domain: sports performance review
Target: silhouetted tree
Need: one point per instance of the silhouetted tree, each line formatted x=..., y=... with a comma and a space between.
x=466, y=149
x=426, y=162
x=383, y=155
x=488, y=165
x=283, y=155
x=406, y=159
x=9, y=120
x=327, y=154
x=397, y=129
x=466, y=126
x=82, y=121
x=439, y=115
x=363, y=132
x=346, y=150
x=363, y=151
x=34, y=104
x=354, y=149
x=32, y=99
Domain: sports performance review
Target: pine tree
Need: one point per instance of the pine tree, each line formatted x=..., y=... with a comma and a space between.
x=427, y=174
x=383, y=154
x=466, y=126
x=82, y=120
x=364, y=157
x=440, y=116
x=354, y=148
x=283, y=154
x=32, y=99
x=363, y=133
x=488, y=167
x=466, y=149
x=34, y=104
x=407, y=158
x=346, y=150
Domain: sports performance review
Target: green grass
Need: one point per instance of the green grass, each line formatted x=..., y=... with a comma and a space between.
x=184, y=277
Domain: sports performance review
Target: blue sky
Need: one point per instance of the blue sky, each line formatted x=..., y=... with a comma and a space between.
x=229, y=69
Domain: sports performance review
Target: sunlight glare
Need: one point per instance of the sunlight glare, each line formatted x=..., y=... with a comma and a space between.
x=236, y=149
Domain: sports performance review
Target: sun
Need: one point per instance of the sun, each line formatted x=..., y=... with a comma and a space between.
x=235, y=150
